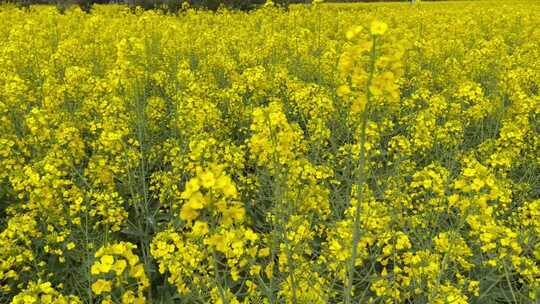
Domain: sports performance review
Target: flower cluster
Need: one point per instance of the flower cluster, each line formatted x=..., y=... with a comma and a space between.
x=43, y=292
x=117, y=268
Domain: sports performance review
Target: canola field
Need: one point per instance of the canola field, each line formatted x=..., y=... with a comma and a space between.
x=347, y=153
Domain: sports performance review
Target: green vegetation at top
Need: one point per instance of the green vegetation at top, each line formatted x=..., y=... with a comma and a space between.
x=171, y=6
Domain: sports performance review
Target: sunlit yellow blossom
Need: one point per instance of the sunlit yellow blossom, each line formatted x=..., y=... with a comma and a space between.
x=101, y=286
x=378, y=28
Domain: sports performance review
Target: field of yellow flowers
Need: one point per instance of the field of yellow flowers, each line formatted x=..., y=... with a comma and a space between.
x=331, y=153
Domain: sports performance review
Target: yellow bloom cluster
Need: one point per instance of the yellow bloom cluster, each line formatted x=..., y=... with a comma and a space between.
x=43, y=293
x=327, y=153
x=16, y=255
x=212, y=190
x=117, y=267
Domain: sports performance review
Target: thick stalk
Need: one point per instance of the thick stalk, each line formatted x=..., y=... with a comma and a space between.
x=361, y=179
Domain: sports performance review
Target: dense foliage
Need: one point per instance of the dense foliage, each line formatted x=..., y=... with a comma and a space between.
x=341, y=153
x=168, y=6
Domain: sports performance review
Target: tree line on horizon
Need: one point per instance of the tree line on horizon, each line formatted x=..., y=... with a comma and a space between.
x=171, y=6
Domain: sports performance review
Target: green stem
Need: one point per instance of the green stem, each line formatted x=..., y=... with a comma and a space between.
x=509, y=283
x=361, y=179
x=218, y=280
x=279, y=195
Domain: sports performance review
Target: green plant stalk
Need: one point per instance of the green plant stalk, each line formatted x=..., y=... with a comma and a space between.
x=279, y=196
x=219, y=282
x=509, y=283
x=360, y=183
